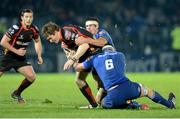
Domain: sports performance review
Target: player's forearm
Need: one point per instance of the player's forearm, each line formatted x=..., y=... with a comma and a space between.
x=38, y=48
x=81, y=50
x=98, y=42
x=5, y=43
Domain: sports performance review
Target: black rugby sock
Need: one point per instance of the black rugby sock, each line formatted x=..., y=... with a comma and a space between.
x=25, y=83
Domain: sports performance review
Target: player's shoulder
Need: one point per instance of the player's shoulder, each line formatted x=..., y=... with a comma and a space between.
x=16, y=26
x=33, y=26
x=13, y=29
x=121, y=54
x=102, y=31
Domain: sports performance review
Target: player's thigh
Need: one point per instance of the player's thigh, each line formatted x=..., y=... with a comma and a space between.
x=127, y=91
x=107, y=103
x=114, y=99
x=82, y=75
x=28, y=72
x=134, y=90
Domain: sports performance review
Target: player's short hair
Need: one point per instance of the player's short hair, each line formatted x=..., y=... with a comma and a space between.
x=26, y=11
x=108, y=48
x=49, y=29
x=92, y=20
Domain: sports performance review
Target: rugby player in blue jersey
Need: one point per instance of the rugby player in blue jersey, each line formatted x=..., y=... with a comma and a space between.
x=110, y=66
x=100, y=38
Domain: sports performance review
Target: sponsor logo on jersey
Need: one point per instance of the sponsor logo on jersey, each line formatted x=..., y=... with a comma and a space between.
x=67, y=35
x=21, y=37
x=22, y=43
x=11, y=31
x=15, y=27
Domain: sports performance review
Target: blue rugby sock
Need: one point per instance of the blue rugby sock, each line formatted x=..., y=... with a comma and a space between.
x=156, y=97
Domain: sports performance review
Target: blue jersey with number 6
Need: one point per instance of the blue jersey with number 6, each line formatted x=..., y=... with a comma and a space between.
x=110, y=66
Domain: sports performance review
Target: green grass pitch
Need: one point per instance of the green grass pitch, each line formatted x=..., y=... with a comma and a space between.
x=66, y=97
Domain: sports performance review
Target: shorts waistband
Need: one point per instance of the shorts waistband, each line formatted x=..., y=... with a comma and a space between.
x=115, y=86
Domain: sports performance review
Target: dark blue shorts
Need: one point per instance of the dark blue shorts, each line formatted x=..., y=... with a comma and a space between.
x=118, y=97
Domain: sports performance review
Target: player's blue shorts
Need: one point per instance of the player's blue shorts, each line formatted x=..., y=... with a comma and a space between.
x=117, y=97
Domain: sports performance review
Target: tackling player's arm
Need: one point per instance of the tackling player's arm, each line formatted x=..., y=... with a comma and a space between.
x=100, y=42
x=79, y=67
x=5, y=43
x=38, y=48
x=84, y=65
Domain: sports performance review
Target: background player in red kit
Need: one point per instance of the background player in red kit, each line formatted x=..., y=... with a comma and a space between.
x=15, y=42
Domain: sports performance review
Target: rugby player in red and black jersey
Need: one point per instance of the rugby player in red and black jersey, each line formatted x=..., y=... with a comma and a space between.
x=15, y=42
x=67, y=35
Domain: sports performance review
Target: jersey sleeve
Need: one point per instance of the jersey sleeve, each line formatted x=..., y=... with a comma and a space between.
x=104, y=34
x=88, y=63
x=12, y=31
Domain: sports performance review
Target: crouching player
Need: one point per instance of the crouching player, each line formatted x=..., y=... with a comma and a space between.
x=110, y=66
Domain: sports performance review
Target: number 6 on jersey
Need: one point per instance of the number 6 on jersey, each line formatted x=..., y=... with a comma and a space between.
x=109, y=64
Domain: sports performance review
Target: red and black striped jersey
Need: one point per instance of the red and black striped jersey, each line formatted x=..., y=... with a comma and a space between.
x=71, y=32
x=21, y=37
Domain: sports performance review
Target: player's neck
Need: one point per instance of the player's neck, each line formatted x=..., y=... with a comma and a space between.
x=60, y=35
x=26, y=27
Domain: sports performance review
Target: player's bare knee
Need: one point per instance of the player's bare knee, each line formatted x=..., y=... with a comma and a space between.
x=144, y=90
x=31, y=77
x=80, y=83
x=150, y=92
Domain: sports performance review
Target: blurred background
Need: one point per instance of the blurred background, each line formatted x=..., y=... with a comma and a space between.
x=147, y=31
